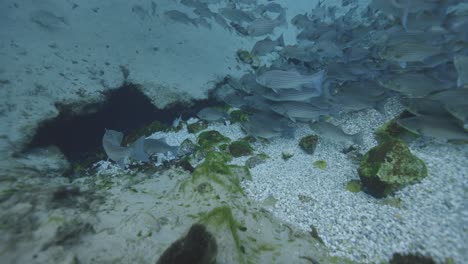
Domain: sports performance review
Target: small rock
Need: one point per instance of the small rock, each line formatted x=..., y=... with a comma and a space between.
x=256, y=160
x=240, y=148
x=389, y=167
x=197, y=127
x=411, y=259
x=354, y=186
x=320, y=164
x=197, y=247
x=309, y=143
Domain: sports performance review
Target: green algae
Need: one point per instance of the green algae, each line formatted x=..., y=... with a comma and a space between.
x=286, y=155
x=240, y=148
x=389, y=167
x=220, y=217
x=197, y=127
x=215, y=169
x=354, y=186
x=391, y=129
x=238, y=116
x=210, y=139
x=320, y=164
x=309, y=143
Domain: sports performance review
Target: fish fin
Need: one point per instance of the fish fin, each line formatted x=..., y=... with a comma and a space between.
x=121, y=163
x=280, y=41
x=282, y=19
x=380, y=107
x=358, y=138
x=138, y=150
x=292, y=118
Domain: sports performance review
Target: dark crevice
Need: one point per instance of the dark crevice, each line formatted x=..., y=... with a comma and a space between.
x=124, y=109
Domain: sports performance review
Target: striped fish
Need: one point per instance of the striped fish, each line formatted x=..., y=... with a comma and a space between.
x=279, y=79
x=299, y=111
x=263, y=26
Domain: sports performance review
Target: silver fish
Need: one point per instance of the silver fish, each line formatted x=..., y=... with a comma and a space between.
x=266, y=125
x=440, y=128
x=299, y=111
x=424, y=106
x=265, y=46
x=301, y=21
x=415, y=85
x=236, y=15
x=460, y=112
x=301, y=95
x=263, y=26
x=211, y=114
x=279, y=79
x=179, y=16
x=270, y=7
x=155, y=146
x=336, y=134
x=111, y=143
x=451, y=96
x=461, y=64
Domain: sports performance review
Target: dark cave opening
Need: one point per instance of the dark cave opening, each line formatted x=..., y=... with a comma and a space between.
x=124, y=109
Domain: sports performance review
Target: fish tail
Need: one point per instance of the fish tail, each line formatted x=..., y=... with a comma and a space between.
x=280, y=41
x=138, y=151
x=288, y=132
x=282, y=19
x=358, y=138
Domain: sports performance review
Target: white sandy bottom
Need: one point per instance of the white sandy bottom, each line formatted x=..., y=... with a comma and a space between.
x=432, y=219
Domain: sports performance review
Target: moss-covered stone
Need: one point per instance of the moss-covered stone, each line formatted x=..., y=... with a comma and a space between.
x=309, y=143
x=239, y=116
x=286, y=155
x=250, y=139
x=320, y=164
x=197, y=247
x=391, y=129
x=245, y=56
x=146, y=131
x=354, y=186
x=209, y=139
x=240, y=148
x=398, y=258
x=389, y=167
x=256, y=160
x=197, y=127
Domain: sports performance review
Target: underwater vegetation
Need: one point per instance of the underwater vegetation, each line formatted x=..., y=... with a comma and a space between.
x=389, y=167
x=197, y=247
x=309, y=143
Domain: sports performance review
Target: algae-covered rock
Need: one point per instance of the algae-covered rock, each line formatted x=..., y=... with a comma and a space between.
x=354, y=186
x=286, y=155
x=391, y=129
x=197, y=247
x=239, y=116
x=256, y=160
x=309, y=143
x=320, y=164
x=398, y=258
x=187, y=147
x=240, y=148
x=197, y=127
x=209, y=139
x=389, y=167
x=146, y=131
